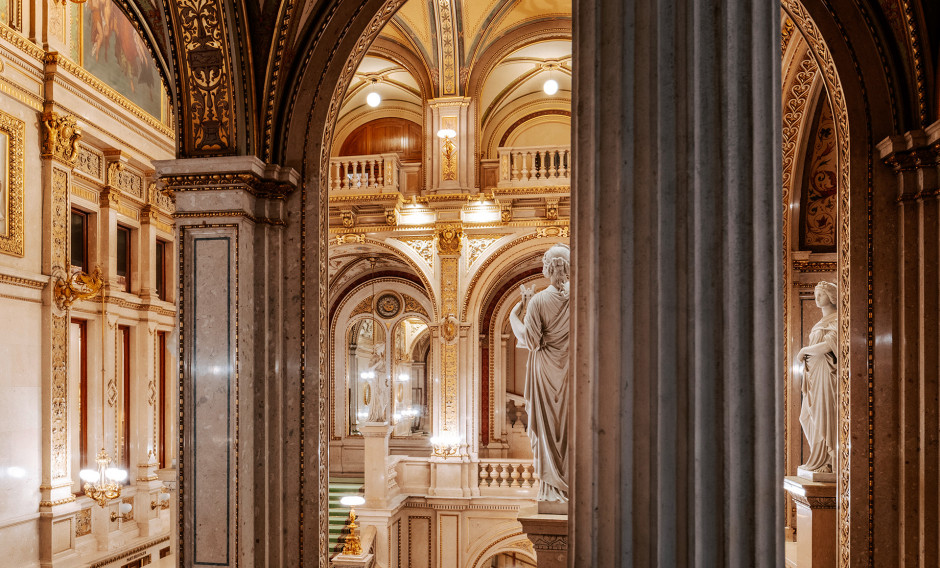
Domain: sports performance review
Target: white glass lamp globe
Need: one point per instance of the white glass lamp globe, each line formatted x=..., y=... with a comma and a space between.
x=550, y=87
x=89, y=475
x=352, y=501
x=373, y=99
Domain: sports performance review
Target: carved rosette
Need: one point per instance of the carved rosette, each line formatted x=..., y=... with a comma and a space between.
x=60, y=136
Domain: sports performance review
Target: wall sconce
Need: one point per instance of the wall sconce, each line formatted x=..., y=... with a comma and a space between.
x=124, y=510
x=351, y=544
x=162, y=501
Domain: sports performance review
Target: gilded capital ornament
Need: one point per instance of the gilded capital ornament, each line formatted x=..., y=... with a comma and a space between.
x=448, y=239
x=60, y=136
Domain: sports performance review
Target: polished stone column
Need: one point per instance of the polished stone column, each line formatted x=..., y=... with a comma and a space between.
x=914, y=157
x=676, y=453
x=239, y=436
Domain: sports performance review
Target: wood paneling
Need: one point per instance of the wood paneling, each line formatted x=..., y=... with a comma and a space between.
x=385, y=135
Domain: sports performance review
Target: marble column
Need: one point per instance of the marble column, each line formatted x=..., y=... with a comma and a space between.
x=676, y=454
x=238, y=468
x=914, y=157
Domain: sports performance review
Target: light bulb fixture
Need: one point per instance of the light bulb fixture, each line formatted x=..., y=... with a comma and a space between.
x=445, y=445
x=446, y=133
x=373, y=99
x=550, y=87
x=104, y=484
x=124, y=509
x=162, y=500
x=351, y=544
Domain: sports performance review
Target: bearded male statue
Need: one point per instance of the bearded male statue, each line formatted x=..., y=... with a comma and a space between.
x=540, y=324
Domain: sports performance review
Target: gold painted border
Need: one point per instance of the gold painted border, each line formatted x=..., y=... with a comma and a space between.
x=12, y=242
x=827, y=67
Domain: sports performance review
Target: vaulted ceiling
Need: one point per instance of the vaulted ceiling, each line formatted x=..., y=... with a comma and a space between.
x=242, y=72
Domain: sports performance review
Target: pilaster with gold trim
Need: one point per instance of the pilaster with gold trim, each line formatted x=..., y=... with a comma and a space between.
x=449, y=243
x=59, y=142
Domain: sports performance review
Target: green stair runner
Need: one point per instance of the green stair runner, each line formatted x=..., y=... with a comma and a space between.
x=339, y=488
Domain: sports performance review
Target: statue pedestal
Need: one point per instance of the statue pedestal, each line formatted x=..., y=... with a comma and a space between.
x=549, y=537
x=815, y=522
x=375, y=437
x=352, y=561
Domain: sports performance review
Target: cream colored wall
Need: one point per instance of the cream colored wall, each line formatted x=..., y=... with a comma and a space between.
x=112, y=132
x=542, y=131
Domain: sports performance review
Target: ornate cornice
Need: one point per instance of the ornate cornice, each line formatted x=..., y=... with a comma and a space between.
x=247, y=181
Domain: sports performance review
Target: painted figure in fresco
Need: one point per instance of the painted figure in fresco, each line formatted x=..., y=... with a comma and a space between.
x=540, y=324
x=819, y=415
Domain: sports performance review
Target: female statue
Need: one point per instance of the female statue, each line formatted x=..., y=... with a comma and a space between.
x=543, y=330
x=819, y=415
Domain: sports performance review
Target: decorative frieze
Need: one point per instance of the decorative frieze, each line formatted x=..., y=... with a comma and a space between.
x=90, y=162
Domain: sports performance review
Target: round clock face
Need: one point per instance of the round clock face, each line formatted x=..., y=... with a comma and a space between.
x=388, y=306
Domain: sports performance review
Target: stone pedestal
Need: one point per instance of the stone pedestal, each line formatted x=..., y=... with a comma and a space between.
x=375, y=435
x=549, y=537
x=815, y=522
x=352, y=561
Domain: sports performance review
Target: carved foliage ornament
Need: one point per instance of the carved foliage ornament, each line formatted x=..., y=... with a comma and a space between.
x=78, y=286
x=60, y=136
x=208, y=81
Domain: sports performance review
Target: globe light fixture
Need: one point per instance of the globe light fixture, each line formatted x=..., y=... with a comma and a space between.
x=373, y=99
x=550, y=87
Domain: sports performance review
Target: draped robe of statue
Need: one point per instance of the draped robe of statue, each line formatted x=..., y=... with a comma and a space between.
x=545, y=335
x=819, y=415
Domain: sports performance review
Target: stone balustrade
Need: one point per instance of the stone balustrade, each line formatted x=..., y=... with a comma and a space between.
x=525, y=166
x=374, y=173
x=499, y=476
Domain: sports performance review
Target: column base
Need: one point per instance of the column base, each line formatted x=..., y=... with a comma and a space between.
x=815, y=523
x=549, y=537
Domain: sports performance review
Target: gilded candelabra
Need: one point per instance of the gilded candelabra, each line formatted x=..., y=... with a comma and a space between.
x=105, y=484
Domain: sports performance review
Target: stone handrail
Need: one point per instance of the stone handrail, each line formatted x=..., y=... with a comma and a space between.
x=373, y=173
x=534, y=166
x=498, y=476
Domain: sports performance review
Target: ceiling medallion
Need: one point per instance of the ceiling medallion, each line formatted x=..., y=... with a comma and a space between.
x=388, y=305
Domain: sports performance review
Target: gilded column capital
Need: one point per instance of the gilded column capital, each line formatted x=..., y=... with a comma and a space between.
x=449, y=238
x=60, y=136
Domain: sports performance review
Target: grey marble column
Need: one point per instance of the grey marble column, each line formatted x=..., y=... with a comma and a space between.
x=677, y=453
x=234, y=399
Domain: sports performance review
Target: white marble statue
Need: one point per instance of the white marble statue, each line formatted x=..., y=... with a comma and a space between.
x=378, y=382
x=540, y=324
x=819, y=415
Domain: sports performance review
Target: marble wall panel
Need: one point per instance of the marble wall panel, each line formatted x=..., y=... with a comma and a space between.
x=209, y=259
x=20, y=421
x=19, y=542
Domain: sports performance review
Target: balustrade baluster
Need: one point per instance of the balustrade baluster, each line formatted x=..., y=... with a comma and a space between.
x=515, y=475
x=494, y=475
x=483, y=475
x=516, y=157
x=552, y=169
x=526, y=476
x=503, y=475
x=543, y=170
x=380, y=176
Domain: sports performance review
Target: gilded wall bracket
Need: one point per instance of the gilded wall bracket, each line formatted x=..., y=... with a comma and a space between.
x=78, y=286
x=60, y=137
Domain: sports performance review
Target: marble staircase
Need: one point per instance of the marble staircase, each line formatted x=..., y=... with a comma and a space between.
x=340, y=487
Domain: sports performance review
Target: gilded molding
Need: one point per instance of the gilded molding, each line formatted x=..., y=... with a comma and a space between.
x=814, y=266
x=90, y=162
x=235, y=214
x=125, y=180
x=477, y=245
x=63, y=501
x=12, y=191
x=448, y=58
x=60, y=219
x=22, y=282
x=60, y=397
x=60, y=136
x=449, y=282
x=22, y=43
x=161, y=199
x=414, y=306
x=424, y=246
x=208, y=121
